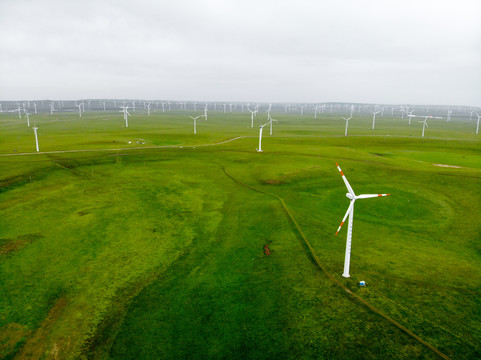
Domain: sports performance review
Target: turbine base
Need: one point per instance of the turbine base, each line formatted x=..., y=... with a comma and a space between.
x=346, y=275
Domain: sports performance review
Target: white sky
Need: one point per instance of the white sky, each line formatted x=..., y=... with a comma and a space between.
x=376, y=51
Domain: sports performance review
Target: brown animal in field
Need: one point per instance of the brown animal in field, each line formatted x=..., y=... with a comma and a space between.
x=267, y=251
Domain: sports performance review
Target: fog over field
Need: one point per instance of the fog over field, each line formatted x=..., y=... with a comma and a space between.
x=418, y=52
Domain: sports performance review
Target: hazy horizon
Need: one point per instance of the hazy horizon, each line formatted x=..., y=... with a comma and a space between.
x=420, y=52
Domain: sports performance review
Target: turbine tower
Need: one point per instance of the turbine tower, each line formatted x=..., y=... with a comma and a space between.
x=350, y=212
x=205, y=112
x=27, y=116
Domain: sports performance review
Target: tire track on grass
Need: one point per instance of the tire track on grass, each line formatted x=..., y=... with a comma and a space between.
x=336, y=281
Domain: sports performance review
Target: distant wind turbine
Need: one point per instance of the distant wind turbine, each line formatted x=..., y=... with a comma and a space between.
x=477, y=126
x=205, y=112
x=126, y=115
x=79, y=110
x=253, y=113
x=27, y=116
x=147, y=105
x=195, y=122
x=410, y=115
x=260, y=137
x=347, y=124
x=374, y=117
x=36, y=136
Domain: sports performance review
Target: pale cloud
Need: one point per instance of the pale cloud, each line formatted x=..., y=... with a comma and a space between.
x=414, y=51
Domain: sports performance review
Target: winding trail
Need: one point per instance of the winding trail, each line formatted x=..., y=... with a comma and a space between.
x=333, y=279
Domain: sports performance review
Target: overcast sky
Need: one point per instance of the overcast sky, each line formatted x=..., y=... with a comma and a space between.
x=406, y=51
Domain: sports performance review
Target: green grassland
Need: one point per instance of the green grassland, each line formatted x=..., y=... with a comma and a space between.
x=142, y=243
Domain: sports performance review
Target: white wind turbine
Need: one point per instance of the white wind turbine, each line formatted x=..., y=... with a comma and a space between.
x=374, y=117
x=147, y=105
x=205, y=112
x=477, y=126
x=410, y=115
x=253, y=113
x=350, y=212
x=347, y=123
x=260, y=136
x=425, y=121
x=36, y=136
x=195, y=122
x=79, y=110
x=126, y=115
x=27, y=116
x=425, y=124
x=52, y=108
x=35, y=107
x=270, y=121
x=448, y=119
x=19, y=109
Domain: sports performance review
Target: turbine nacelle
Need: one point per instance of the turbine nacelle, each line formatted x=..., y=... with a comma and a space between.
x=350, y=196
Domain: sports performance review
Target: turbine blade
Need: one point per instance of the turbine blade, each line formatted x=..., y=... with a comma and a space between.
x=351, y=205
x=367, y=196
x=345, y=180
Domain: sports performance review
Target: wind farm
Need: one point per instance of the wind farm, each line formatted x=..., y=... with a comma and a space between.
x=116, y=236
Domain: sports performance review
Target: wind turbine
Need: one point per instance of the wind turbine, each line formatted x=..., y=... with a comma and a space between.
x=410, y=115
x=270, y=121
x=126, y=115
x=27, y=116
x=19, y=112
x=147, y=105
x=448, y=119
x=347, y=123
x=195, y=122
x=260, y=136
x=205, y=112
x=35, y=107
x=36, y=136
x=253, y=113
x=79, y=110
x=425, y=124
x=374, y=117
x=350, y=212
x=477, y=126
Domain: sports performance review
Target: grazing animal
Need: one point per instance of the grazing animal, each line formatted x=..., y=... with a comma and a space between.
x=267, y=251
